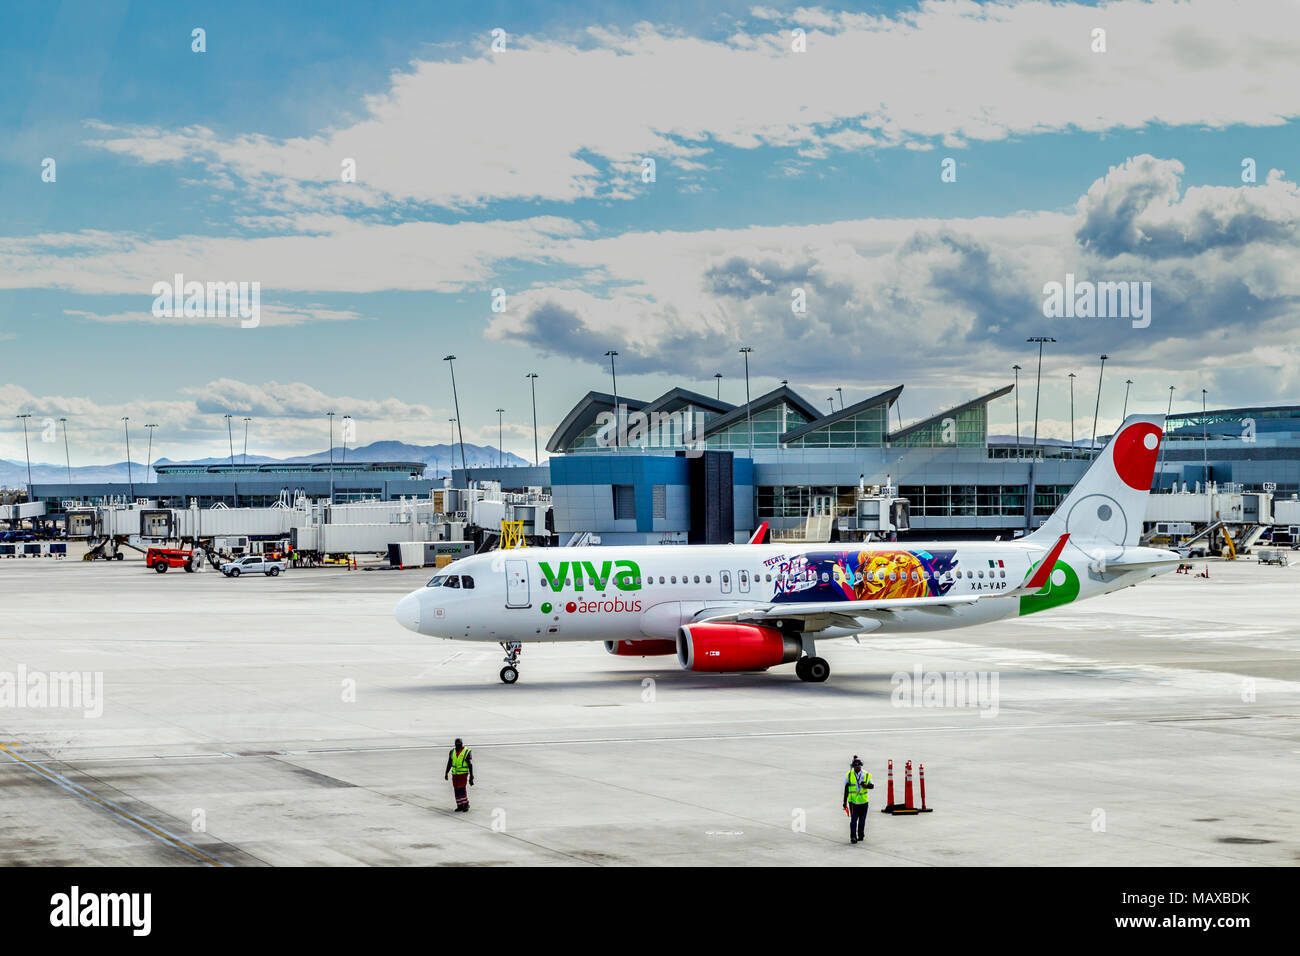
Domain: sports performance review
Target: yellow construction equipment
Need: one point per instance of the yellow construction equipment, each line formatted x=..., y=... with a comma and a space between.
x=512, y=535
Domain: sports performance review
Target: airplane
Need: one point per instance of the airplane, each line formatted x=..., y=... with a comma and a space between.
x=750, y=607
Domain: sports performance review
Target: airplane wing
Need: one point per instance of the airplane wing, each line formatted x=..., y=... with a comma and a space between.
x=820, y=615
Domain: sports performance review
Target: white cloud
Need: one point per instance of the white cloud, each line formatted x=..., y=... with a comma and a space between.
x=550, y=119
x=328, y=254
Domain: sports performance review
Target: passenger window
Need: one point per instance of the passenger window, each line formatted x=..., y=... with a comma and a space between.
x=466, y=581
x=453, y=581
x=1002, y=574
x=673, y=579
x=697, y=579
x=661, y=579
x=893, y=576
x=708, y=579
x=981, y=574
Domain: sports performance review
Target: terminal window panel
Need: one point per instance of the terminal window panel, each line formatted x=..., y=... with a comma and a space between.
x=864, y=430
x=1048, y=497
x=980, y=501
x=967, y=429
x=768, y=426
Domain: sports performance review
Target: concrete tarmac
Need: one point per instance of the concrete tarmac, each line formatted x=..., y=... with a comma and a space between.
x=291, y=720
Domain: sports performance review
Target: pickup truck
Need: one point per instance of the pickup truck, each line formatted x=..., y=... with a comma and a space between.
x=253, y=563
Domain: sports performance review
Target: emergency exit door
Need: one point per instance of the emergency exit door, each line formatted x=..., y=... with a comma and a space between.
x=517, y=584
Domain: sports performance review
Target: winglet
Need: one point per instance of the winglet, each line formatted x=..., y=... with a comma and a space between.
x=760, y=534
x=1044, y=570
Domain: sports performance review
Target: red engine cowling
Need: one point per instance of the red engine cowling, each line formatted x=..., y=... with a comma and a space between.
x=734, y=647
x=650, y=648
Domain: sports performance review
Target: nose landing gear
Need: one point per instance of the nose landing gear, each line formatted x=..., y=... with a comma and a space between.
x=510, y=673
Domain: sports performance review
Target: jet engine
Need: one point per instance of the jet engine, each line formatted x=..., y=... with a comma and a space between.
x=735, y=647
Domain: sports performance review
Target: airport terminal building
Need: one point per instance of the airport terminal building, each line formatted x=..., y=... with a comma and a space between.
x=686, y=467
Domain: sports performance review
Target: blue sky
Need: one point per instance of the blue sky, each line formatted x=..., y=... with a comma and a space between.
x=521, y=169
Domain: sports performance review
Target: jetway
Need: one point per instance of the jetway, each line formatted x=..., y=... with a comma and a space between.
x=22, y=511
x=314, y=526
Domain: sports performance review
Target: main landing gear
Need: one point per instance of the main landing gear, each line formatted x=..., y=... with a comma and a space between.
x=815, y=670
x=510, y=673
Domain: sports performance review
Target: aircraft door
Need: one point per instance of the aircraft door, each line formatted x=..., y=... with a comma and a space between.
x=517, y=584
x=743, y=580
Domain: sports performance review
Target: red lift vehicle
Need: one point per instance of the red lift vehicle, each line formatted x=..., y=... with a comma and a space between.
x=160, y=559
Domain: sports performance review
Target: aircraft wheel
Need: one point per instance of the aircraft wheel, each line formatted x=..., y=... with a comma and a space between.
x=817, y=670
x=801, y=668
x=509, y=675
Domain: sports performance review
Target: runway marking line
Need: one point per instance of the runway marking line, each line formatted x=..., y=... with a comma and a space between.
x=121, y=813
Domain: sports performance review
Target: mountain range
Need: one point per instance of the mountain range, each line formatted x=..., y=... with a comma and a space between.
x=438, y=460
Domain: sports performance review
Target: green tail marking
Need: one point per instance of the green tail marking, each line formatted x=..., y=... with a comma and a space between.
x=1052, y=594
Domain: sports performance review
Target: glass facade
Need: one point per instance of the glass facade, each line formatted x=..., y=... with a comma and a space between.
x=769, y=425
x=968, y=429
x=866, y=429
x=980, y=501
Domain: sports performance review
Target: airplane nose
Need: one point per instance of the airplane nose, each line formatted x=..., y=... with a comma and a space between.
x=407, y=612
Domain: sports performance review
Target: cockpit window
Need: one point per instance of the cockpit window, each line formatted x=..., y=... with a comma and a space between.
x=437, y=581
x=453, y=581
x=466, y=581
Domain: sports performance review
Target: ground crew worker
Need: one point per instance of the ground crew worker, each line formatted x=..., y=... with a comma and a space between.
x=856, y=785
x=461, y=768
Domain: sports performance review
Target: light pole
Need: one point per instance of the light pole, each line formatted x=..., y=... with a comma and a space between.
x=1038, y=387
x=1128, y=385
x=230, y=435
x=839, y=391
x=1165, y=437
x=500, y=439
x=717, y=376
x=1071, y=414
x=455, y=399
x=831, y=399
x=1096, y=408
x=246, y=421
x=1205, y=444
x=749, y=420
x=67, y=455
x=148, y=463
x=451, y=449
x=130, y=478
x=532, y=381
x=611, y=355
x=330, y=416
x=28, y=450
x=1016, y=369
x=343, y=430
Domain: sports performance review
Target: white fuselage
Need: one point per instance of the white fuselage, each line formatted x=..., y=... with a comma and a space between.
x=635, y=593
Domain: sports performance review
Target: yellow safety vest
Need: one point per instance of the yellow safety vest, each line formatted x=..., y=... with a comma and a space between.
x=858, y=794
x=460, y=761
